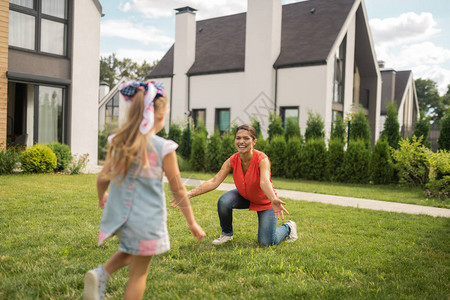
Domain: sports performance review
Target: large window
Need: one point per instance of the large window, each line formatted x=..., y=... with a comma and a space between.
x=287, y=113
x=51, y=115
x=112, y=109
x=222, y=119
x=339, y=73
x=39, y=25
x=199, y=115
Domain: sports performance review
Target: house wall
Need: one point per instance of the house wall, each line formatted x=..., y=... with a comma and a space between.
x=85, y=79
x=303, y=87
x=4, y=21
x=219, y=91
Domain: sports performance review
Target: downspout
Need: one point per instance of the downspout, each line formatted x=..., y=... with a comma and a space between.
x=276, y=90
x=171, y=89
x=189, y=96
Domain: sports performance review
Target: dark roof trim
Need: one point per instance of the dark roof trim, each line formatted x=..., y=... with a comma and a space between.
x=185, y=9
x=216, y=72
x=37, y=78
x=159, y=76
x=301, y=64
x=99, y=7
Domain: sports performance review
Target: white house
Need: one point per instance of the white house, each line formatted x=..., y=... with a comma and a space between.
x=315, y=55
x=51, y=75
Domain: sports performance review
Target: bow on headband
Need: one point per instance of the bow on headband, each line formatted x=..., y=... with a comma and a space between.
x=151, y=90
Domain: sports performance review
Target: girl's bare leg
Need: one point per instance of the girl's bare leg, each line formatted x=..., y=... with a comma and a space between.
x=138, y=276
x=117, y=261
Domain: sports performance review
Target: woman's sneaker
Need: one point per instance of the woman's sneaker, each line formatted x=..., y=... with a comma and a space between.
x=223, y=239
x=293, y=236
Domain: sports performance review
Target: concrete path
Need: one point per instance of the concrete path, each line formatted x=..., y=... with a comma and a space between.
x=346, y=201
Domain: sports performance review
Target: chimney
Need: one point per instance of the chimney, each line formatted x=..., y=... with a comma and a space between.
x=183, y=59
x=262, y=48
x=103, y=90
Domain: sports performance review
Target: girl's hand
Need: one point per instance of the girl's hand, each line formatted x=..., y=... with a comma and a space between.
x=102, y=202
x=279, y=209
x=197, y=231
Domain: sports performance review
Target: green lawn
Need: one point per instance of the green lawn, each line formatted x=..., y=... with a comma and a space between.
x=49, y=226
x=395, y=192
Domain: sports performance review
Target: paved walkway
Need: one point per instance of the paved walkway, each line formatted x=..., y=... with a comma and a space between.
x=346, y=201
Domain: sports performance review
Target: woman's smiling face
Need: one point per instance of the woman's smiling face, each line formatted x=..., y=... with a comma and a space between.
x=244, y=141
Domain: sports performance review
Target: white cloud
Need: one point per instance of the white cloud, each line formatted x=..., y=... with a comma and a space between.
x=136, y=55
x=206, y=9
x=136, y=32
x=408, y=27
x=436, y=73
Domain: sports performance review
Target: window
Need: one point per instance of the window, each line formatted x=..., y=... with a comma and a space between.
x=339, y=73
x=39, y=25
x=222, y=119
x=199, y=115
x=112, y=109
x=334, y=115
x=287, y=113
x=51, y=115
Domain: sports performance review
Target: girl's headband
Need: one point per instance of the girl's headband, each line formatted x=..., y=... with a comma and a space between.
x=151, y=91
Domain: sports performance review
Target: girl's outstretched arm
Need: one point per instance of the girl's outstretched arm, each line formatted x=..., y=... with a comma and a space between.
x=170, y=166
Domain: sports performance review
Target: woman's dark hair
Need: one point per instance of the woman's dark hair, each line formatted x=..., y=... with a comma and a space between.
x=248, y=128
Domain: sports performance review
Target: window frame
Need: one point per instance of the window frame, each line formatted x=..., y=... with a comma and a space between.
x=114, y=108
x=217, y=119
x=283, y=114
x=195, y=112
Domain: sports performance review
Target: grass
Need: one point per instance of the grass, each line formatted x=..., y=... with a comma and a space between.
x=394, y=192
x=49, y=226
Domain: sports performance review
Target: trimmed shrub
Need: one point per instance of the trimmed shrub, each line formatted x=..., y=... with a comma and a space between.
x=355, y=167
x=261, y=144
x=421, y=129
x=275, y=126
x=213, y=147
x=201, y=128
x=314, y=127
x=439, y=185
x=198, y=153
x=338, y=130
x=411, y=161
x=185, y=142
x=335, y=157
x=9, y=158
x=293, y=130
x=391, y=131
x=257, y=125
x=276, y=152
x=183, y=163
x=313, y=159
x=381, y=168
x=175, y=133
x=444, y=135
x=63, y=155
x=359, y=128
x=293, y=157
x=228, y=147
x=162, y=133
x=38, y=159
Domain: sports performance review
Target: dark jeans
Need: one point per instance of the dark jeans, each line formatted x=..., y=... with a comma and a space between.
x=268, y=233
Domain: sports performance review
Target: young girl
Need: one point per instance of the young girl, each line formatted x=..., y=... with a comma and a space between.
x=135, y=209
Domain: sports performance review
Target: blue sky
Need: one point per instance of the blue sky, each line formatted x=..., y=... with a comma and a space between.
x=408, y=34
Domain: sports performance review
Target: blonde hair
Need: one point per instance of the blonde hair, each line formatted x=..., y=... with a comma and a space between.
x=129, y=145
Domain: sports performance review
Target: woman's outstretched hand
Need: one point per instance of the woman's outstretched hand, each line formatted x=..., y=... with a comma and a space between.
x=279, y=209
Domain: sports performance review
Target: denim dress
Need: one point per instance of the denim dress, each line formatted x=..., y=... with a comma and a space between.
x=135, y=210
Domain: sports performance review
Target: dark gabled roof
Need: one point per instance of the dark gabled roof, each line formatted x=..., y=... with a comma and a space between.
x=401, y=79
x=306, y=38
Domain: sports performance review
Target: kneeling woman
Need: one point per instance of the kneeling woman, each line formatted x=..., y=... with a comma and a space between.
x=255, y=191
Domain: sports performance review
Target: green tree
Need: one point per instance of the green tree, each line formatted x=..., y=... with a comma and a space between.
x=198, y=153
x=335, y=157
x=381, y=168
x=391, y=130
x=355, y=166
x=314, y=159
x=314, y=127
x=276, y=152
x=293, y=129
x=444, y=135
x=428, y=97
x=257, y=125
x=175, y=133
x=359, y=128
x=293, y=157
x=422, y=128
x=213, y=147
x=338, y=131
x=275, y=126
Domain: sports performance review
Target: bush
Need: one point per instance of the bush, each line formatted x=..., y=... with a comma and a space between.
x=313, y=159
x=275, y=126
x=391, y=131
x=444, y=135
x=261, y=144
x=228, y=147
x=257, y=125
x=201, y=128
x=198, y=153
x=213, y=147
x=335, y=157
x=276, y=152
x=109, y=128
x=381, y=168
x=355, y=166
x=78, y=164
x=293, y=157
x=63, y=155
x=338, y=132
x=421, y=129
x=175, y=133
x=411, y=161
x=38, y=159
x=185, y=142
x=162, y=133
x=293, y=129
x=314, y=127
x=8, y=160
x=359, y=128
x=439, y=184
x=183, y=163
